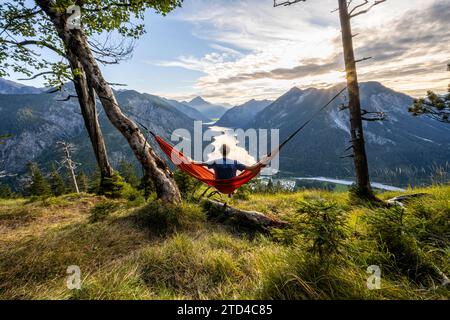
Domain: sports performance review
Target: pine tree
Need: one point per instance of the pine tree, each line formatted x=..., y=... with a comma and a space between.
x=128, y=173
x=147, y=186
x=434, y=106
x=39, y=186
x=270, y=188
x=83, y=182
x=95, y=181
x=5, y=192
x=186, y=183
x=57, y=183
x=347, y=11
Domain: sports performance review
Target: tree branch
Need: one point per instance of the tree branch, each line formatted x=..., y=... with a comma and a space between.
x=36, y=43
x=37, y=75
x=21, y=16
x=357, y=7
x=363, y=59
x=353, y=12
x=374, y=116
x=116, y=52
x=67, y=98
x=114, y=4
x=286, y=3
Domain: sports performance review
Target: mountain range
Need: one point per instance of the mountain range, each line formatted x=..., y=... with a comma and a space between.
x=11, y=87
x=37, y=121
x=211, y=111
x=240, y=116
x=402, y=144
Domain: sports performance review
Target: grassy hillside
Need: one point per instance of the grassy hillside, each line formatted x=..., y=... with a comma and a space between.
x=149, y=251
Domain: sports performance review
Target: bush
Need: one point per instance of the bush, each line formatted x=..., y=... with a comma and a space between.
x=243, y=193
x=101, y=211
x=116, y=188
x=6, y=192
x=320, y=227
x=395, y=234
x=162, y=218
x=187, y=185
x=113, y=187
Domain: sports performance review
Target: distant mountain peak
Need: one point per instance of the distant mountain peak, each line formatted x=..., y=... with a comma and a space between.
x=295, y=90
x=373, y=83
x=210, y=110
x=239, y=116
x=198, y=101
x=11, y=87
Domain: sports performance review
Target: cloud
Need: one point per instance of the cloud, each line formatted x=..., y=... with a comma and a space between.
x=277, y=48
x=308, y=68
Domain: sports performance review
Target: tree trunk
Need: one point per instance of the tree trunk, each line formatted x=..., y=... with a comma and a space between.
x=86, y=98
x=72, y=171
x=76, y=43
x=357, y=132
x=251, y=219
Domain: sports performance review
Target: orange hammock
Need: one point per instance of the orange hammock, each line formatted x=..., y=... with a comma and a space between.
x=226, y=186
x=199, y=172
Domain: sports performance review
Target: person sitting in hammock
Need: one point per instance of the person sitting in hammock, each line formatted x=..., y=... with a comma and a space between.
x=225, y=168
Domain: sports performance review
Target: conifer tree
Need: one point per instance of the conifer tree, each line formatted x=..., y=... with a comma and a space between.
x=95, y=181
x=434, y=106
x=128, y=173
x=5, y=192
x=83, y=182
x=146, y=186
x=57, y=182
x=39, y=186
x=347, y=11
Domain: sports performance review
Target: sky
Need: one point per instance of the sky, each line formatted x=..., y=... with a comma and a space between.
x=231, y=51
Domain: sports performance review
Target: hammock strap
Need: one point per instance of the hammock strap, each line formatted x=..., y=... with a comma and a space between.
x=311, y=119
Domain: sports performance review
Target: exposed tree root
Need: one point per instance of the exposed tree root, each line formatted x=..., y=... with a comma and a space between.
x=252, y=219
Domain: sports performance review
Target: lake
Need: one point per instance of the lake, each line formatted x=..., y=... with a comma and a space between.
x=375, y=185
x=239, y=153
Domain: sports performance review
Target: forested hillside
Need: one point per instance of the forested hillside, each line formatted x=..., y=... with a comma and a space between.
x=37, y=121
x=399, y=143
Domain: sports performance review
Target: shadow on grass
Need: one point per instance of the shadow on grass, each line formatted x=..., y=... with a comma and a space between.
x=89, y=246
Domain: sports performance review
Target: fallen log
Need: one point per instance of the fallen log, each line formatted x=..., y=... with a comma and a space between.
x=222, y=211
x=401, y=200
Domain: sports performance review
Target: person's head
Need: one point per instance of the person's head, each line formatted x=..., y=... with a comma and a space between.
x=225, y=150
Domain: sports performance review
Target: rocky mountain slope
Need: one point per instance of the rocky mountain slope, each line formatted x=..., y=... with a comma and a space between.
x=211, y=111
x=240, y=116
x=188, y=110
x=401, y=142
x=410, y=147
x=38, y=121
x=11, y=87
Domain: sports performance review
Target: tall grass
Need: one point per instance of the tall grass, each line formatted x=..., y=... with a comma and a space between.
x=155, y=251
